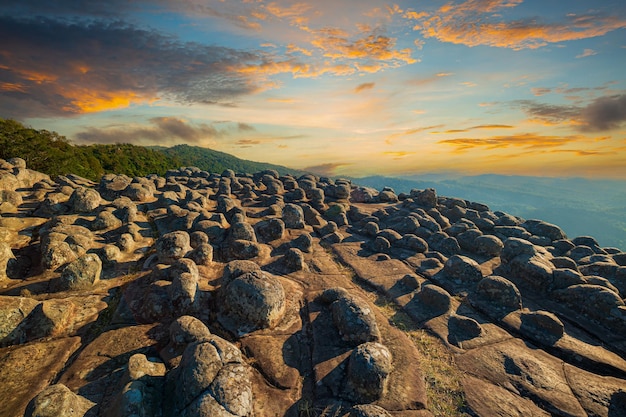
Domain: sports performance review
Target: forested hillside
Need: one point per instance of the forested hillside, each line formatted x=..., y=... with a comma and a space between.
x=53, y=154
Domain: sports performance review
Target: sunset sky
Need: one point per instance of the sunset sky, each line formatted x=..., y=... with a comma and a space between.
x=341, y=87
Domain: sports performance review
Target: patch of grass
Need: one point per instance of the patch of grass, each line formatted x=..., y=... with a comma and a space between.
x=444, y=390
x=443, y=379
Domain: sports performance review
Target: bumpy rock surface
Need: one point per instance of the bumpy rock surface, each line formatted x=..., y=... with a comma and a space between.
x=323, y=294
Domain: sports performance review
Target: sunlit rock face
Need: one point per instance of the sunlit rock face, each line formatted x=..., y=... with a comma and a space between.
x=264, y=294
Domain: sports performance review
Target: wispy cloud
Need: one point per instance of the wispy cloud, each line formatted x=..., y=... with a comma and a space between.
x=602, y=114
x=328, y=169
x=586, y=53
x=399, y=154
x=162, y=130
x=482, y=22
x=408, y=132
x=365, y=86
x=526, y=140
x=478, y=127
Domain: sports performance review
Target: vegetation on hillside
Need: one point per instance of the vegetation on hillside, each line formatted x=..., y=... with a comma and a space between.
x=215, y=161
x=54, y=155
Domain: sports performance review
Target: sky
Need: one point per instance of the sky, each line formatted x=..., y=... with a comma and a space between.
x=342, y=87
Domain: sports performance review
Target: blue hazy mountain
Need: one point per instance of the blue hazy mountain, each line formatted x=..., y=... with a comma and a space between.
x=579, y=206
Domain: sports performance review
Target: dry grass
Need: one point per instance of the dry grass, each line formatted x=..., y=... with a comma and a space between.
x=443, y=379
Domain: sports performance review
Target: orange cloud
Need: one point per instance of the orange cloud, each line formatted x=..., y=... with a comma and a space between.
x=364, y=86
x=478, y=127
x=540, y=91
x=12, y=87
x=399, y=154
x=91, y=101
x=526, y=140
x=390, y=138
x=471, y=23
x=372, y=47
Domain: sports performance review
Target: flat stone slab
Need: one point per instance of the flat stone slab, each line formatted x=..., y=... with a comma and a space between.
x=95, y=373
x=26, y=370
x=525, y=371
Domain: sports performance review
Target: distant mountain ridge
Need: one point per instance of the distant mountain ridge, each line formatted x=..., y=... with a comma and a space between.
x=215, y=161
x=579, y=206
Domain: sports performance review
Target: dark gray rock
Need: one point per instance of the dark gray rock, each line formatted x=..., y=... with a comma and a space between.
x=202, y=254
x=528, y=263
x=173, y=246
x=368, y=410
x=461, y=329
x=82, y=273
x=293, y=216
x=368, y=370
x=541, y=228
x=496, y=296
x=270, y=229
x=294, y=260
x=426, y=198
x=488, y=245
x=252, y=301
x=413, y=243
x=304, y=242
x=463, y=269
x=542, y=326
x=241, y=249
x=355, y=320
x=431, y=301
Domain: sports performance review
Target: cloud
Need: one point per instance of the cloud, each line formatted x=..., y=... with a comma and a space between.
x=162, y=131
x=326, y=170
x=602, y=114
x=61, y=68
x=540, y=91
x=526, y=140
x=408, y=132
x=479, y=22
x=552, y=113
x=430, y=80
x=479, y=127
x=399, y=154
x=586, y=53
x=370, y=48
x=244, y=127
x=364, y=86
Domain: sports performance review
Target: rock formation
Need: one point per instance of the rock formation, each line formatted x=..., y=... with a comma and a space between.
x=231, y=294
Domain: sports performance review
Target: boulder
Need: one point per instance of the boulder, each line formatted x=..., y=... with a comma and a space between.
x=541, y=228
x=6, y=254
x=58, y=401
x=355, y=320
x=496, y=296
x=84, y=200
x=368, y=370
x=426, y=198
x=172, y=246
x=202, y=254
x=463, y=269
x=293, y=216
x=488, y=245
x=82, y=273
x=270, y=229
x=528, y=263
x=254, y=300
